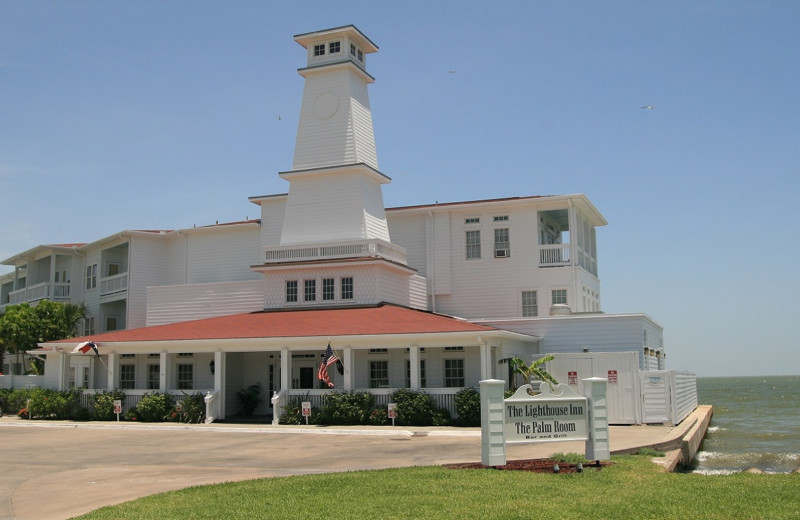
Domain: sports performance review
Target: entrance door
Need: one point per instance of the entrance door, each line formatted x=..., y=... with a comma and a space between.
x=306, y=377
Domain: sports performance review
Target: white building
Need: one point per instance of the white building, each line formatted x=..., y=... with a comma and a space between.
x=426, y=297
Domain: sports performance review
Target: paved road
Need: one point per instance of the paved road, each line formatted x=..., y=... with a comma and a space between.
x=60, y=470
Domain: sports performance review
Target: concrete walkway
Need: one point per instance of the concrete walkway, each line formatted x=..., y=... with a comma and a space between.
x=57, y=470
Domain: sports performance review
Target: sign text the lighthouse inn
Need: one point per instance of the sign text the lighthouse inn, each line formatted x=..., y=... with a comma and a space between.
x=548, y=418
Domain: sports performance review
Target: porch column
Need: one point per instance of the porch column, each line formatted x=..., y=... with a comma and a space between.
x=486, y=359
x=413, y=360
x=219, y=380
x=286, y=369
x=63, y=367
x=348, y=368
x=51, y=286
x=163, y=363
x=112, y=371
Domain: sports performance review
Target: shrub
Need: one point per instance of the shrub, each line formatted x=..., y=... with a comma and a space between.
x=103, y=405
x=379, y=417
x=468, y=407
x=45, y=403
x=441, y=417
x=413, y=408
x=347, y=408
x=293, y=412
x=194, y=409
x=249, y=397
x=154, y=407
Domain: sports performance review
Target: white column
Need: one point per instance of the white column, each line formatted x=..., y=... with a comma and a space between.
x=286, y=368
x=486, y=353
x=112, y=371
x=63, y=367
x=347, y=352
x=413, y=359
x=163, y=363
x=219, y=380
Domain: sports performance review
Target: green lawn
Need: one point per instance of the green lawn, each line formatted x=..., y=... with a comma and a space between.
x=633, y=488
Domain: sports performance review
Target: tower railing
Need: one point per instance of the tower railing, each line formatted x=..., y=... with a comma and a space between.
x=333, y=250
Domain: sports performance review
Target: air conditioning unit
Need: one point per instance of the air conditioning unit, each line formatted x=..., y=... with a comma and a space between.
x=501, y=253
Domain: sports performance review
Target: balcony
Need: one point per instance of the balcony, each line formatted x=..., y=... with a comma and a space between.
x=114, y=285
x=554, y=255
x=334, y=250
x=40, y=291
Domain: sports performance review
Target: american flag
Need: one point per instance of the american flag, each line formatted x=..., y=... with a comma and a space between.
x=328, y=359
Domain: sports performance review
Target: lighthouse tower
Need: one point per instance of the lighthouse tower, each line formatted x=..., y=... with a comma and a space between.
x=335, y=185
x=334, y=246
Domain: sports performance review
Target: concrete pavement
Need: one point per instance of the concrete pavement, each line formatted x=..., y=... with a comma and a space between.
x=57, y=470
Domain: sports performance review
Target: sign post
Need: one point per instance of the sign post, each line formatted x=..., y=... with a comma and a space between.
x=306, y=408
x=117, y=407
x=392, y=412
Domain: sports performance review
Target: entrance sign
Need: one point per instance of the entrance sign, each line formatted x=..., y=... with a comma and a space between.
x=552, y=415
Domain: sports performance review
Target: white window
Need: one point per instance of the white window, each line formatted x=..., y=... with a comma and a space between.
x=185, y=376
x=291, y=290
x=472, y=220
x=328, y=288
x=91, y=276
x=501, y=218
x=529, y=304
x=334, y=47
x=88, y=326
x=127, y=376
x=378, y=374
x=347, y=288
x=310, y=290
x=319, y=49
x=502, y=245
x=453, y=373
x=473, y=244
x=559, y=296
x=153, y=377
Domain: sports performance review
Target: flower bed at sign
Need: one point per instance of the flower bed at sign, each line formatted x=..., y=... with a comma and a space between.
x=535, y=465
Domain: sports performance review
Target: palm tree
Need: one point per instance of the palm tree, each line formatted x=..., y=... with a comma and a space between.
x=534, y=370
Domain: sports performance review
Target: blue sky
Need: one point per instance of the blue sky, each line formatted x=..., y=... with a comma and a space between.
x=163, y=115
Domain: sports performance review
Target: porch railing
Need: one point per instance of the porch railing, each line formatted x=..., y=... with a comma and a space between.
x=114, y=284
x=212, y=406
x=40, y=291
x=554, y=255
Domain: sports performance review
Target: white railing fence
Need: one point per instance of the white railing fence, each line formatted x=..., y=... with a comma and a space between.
x=554, y=255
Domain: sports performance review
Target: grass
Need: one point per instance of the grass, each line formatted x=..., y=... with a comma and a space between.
x=632, y=488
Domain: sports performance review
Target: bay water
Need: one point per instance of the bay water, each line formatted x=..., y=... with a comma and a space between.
x=756, y=424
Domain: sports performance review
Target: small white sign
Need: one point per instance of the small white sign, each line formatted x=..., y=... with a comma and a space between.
x=392, y=411
x=117, y=406
x=179, y=406
x=306, y=407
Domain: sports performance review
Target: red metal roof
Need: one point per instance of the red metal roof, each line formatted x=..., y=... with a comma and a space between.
x=381, y=319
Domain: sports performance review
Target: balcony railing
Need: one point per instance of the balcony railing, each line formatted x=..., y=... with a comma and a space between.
x=554, y=255
x=333, y=250
x=40, y=291
x=114, y=284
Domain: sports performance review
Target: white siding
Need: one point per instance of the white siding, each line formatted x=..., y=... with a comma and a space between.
x=223, y=254
x=272, y=221
x=598, y=333
x=372, y=284
x=176, y=303
x=147, y=261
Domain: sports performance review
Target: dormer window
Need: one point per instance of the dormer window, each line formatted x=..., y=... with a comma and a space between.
x=334, y=47
x=319, y=49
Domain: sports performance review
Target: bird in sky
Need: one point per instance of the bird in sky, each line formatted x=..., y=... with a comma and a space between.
x=452, y=71
x=649, y=107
